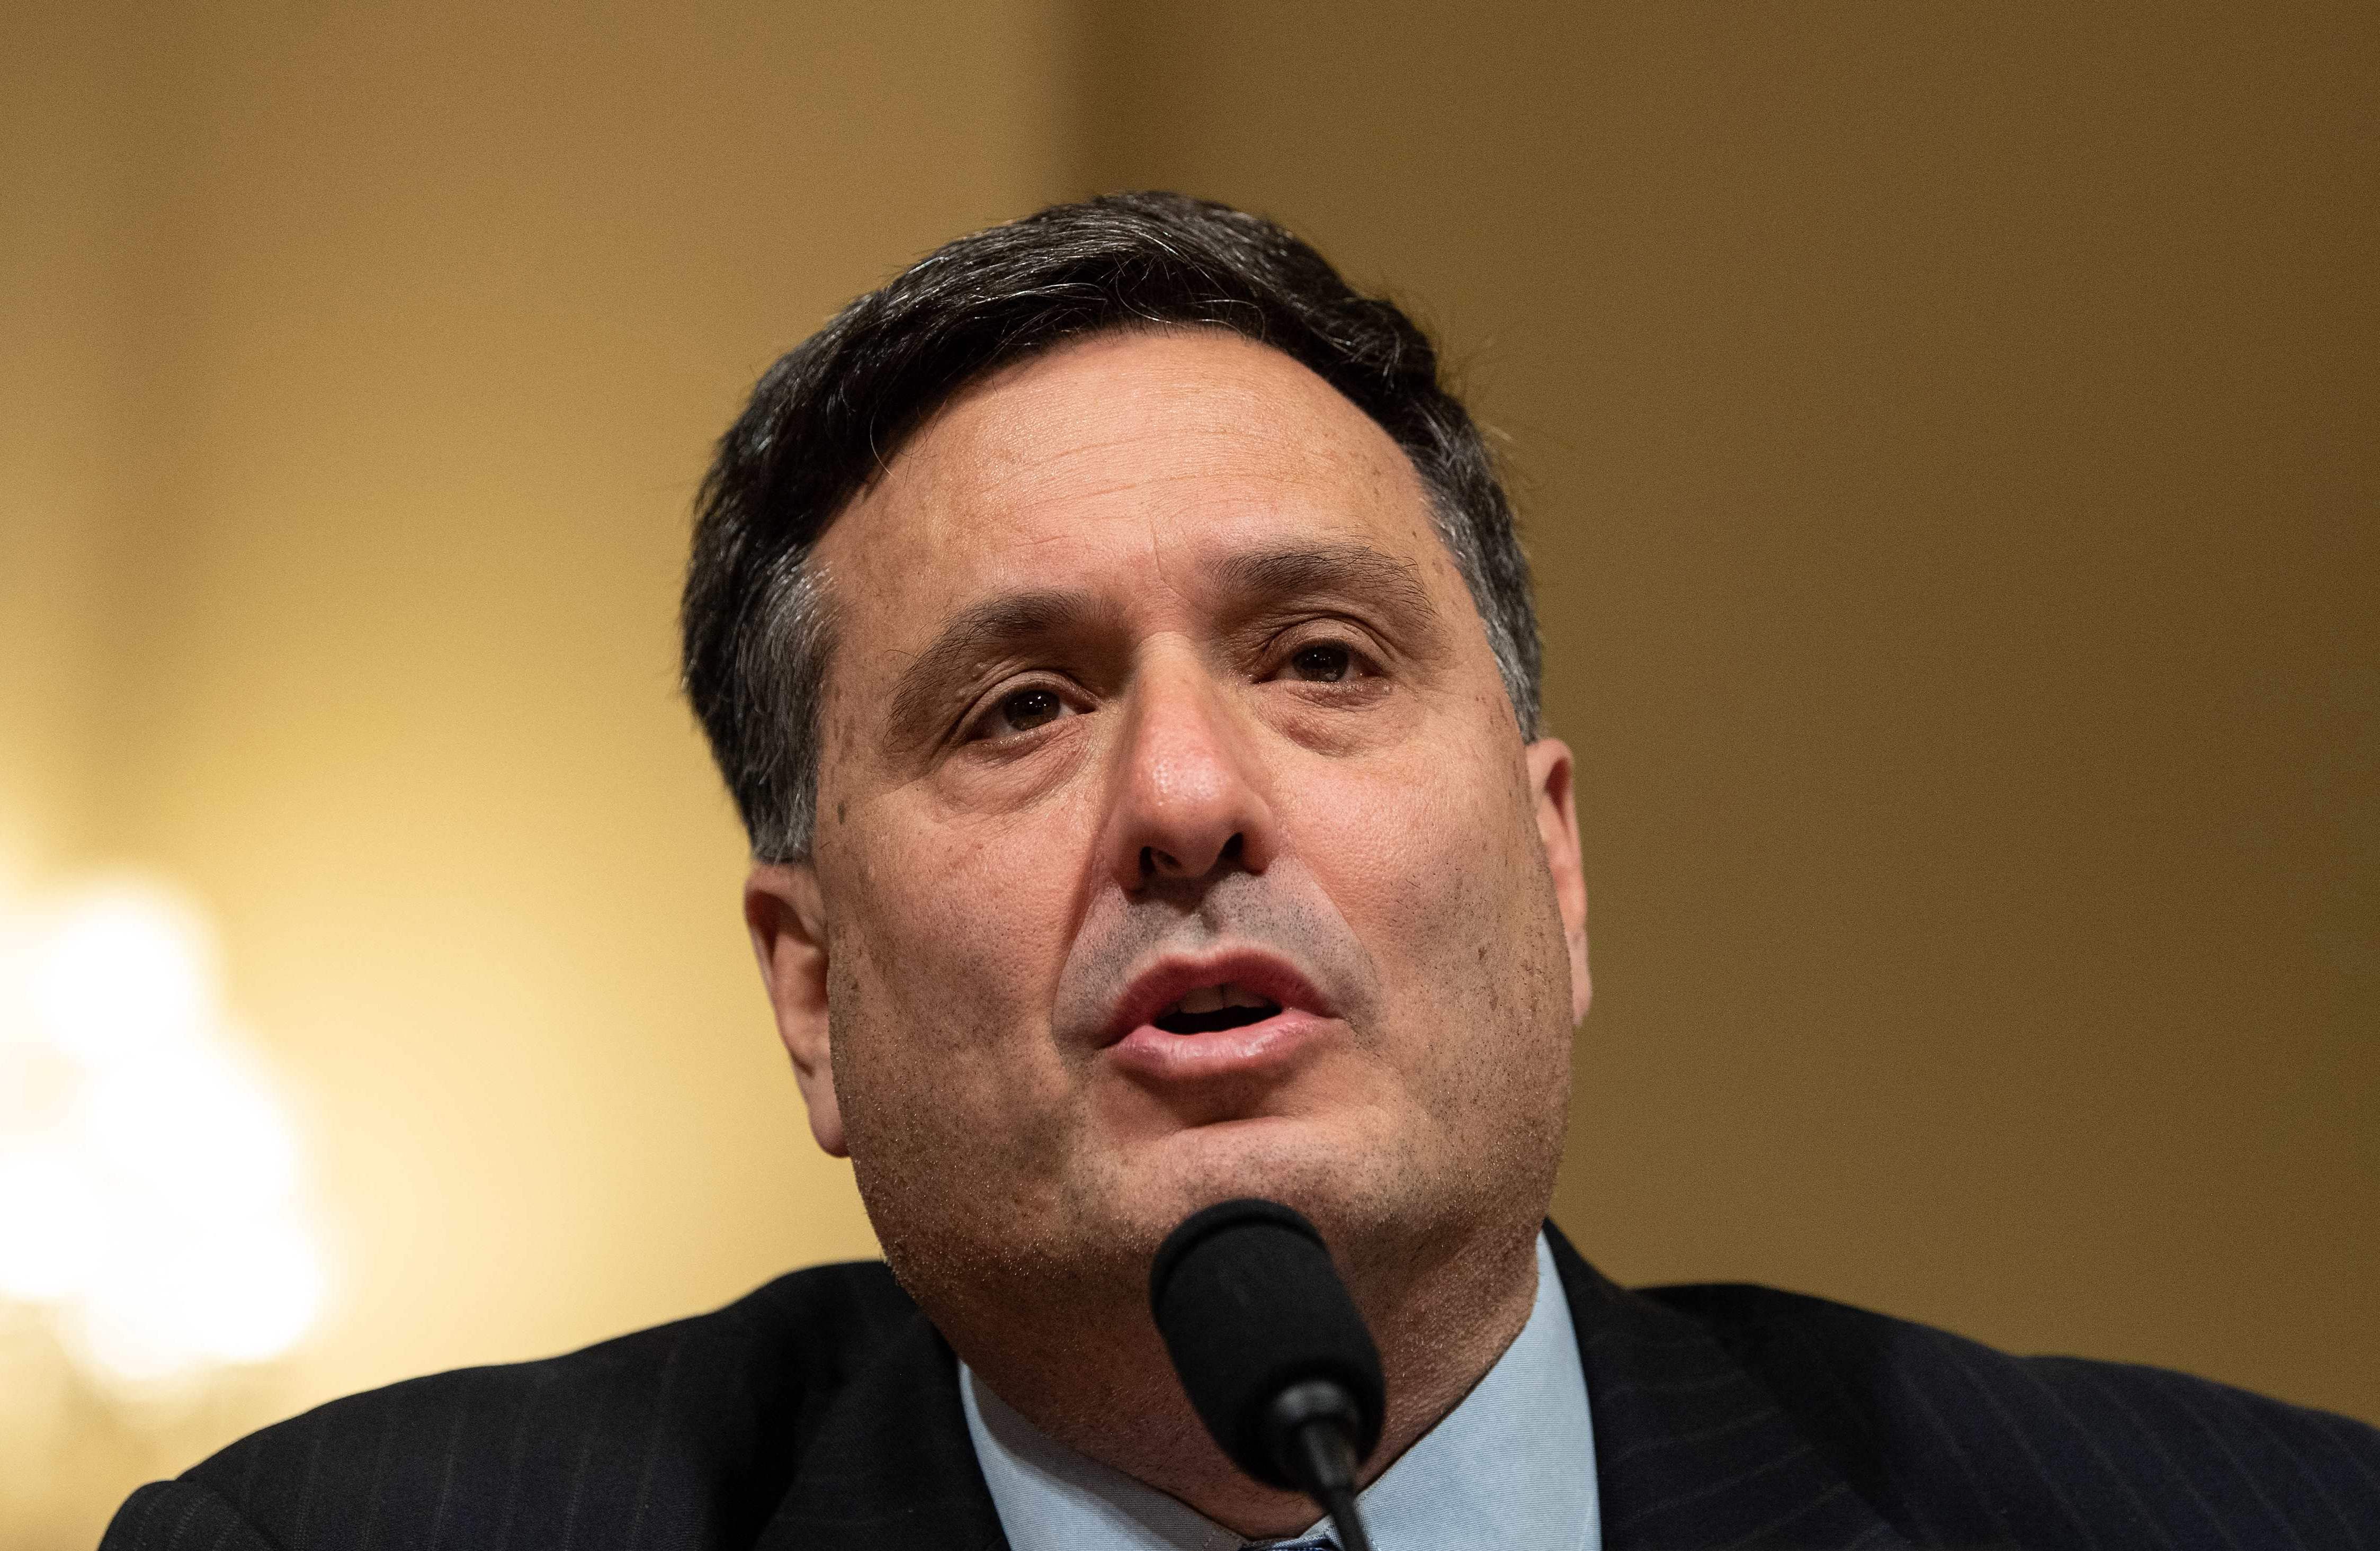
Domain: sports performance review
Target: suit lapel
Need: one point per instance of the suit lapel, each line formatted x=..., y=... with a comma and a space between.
x=891, y=1467
x=1689, y=1449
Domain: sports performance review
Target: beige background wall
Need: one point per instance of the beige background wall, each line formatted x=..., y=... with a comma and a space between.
x=1945, y=436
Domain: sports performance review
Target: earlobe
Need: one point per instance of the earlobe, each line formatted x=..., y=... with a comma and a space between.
x=1551, y=768
x=784, y=910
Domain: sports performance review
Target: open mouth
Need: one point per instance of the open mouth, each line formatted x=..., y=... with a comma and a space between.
x=1211, y=1008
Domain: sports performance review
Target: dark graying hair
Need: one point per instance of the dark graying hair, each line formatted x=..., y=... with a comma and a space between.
x=759, y=625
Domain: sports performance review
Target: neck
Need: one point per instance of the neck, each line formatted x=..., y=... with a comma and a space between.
x=1105, y=1387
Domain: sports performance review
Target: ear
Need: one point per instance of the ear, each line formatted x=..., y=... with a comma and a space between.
x=788, y=922
x=1550, y=779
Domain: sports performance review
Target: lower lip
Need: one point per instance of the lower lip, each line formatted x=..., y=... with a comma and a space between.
x=1252, y=1049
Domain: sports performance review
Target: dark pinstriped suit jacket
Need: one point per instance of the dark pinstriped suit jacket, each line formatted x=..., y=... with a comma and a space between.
x=824, y=1411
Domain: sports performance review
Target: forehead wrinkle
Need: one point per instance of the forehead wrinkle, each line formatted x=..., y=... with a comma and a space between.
x=1091, y=473
x=979, y=427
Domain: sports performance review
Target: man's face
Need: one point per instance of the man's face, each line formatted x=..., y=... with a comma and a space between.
x=1175, y=841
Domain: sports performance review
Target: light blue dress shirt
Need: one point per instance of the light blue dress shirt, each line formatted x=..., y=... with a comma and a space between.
x=1512, y=1465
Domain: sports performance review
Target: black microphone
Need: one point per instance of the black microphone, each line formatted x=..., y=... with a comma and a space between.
x=1271, y=1352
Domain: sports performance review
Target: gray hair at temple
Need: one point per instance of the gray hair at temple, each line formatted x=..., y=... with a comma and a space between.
x=758, y=620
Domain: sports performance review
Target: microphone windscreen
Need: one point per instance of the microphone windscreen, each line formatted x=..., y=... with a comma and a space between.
x=1250, y=1305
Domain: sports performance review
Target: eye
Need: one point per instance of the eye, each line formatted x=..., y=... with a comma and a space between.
x=1020, y=710
x=1322, y=663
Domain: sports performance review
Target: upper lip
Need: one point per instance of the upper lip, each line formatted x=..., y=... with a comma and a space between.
x=1176, y=976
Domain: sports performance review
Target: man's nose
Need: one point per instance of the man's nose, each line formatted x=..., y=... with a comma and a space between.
x=1188, y=789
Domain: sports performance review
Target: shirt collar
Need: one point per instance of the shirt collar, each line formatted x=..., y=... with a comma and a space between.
x=1513, y=1464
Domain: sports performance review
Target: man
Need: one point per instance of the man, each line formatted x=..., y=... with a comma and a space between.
x=1117, y=644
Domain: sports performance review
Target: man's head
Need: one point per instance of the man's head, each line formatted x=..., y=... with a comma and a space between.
x=1144, y=675
x=824, y=419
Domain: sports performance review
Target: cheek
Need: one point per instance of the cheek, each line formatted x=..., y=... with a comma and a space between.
x=1411, y=847
x=1438, y=869
x=943, y=1013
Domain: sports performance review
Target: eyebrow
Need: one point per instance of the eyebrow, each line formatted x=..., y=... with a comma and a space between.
x=1251, y=579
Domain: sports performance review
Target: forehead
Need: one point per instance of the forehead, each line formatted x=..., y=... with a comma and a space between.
x=1131, y=464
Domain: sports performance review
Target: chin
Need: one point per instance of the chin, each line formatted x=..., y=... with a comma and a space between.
x=1347, y=1182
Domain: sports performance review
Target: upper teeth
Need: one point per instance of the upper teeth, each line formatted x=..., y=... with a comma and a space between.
x=1214, y=999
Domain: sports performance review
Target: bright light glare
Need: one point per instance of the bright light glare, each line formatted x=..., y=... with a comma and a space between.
x=151, y=1179
x=125, y=968
x=191, y=1125
x=51, y=1226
